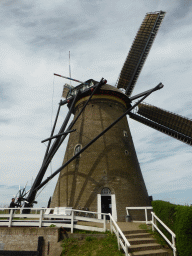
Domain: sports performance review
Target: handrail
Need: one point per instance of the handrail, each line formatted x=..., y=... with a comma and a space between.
x=154, y=226
x=42, y=219
x=119, y=234
x=140, y=208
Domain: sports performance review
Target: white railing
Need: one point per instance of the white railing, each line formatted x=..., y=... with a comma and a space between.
x=121, y=239
x=41, y=219
x=140, y=208
x=154, y=226
x=77, y=219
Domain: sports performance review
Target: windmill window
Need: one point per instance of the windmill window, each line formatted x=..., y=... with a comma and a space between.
x=125, y=134
x=77, y=149
x=106, y=191
x=126, y=152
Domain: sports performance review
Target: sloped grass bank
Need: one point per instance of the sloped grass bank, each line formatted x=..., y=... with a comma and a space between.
x=91, y=246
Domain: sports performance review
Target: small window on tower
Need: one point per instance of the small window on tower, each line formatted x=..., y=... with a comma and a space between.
x=125, y=134
x=77, y=149
x=127, y=152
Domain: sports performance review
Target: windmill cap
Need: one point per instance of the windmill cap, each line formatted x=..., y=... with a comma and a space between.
x=106, y=91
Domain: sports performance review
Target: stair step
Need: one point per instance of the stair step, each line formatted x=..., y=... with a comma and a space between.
x=140, y=240
x=127, y=232
x=138, y=235
x=144, y=247
x=159, y=252
x=134, y=231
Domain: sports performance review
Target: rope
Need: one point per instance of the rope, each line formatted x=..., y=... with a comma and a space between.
x=41, y=191
x=52, y=100
x=52, y=112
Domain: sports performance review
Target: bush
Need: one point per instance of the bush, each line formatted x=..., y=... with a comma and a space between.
x=183, y=230
x=52, y=226
x=166, y=212
x=179, y=219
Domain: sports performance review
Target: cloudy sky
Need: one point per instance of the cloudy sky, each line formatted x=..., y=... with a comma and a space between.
x=36, y=37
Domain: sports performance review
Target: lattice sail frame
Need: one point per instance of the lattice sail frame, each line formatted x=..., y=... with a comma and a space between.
x=172, y=124
x=173, y=121
x=139, y=51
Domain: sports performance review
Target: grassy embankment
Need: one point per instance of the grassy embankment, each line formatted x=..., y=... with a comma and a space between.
x=91, y=246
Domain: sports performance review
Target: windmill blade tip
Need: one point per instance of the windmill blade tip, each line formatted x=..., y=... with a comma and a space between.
x=160, y=85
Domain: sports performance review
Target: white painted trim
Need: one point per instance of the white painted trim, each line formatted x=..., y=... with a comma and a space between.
x=68, y=220
x=113, y=202
x=121, y=239
x=140, y=208
x=99, y=205
x=114, y=208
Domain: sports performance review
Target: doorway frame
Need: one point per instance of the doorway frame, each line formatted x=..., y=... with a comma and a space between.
x=113, y=208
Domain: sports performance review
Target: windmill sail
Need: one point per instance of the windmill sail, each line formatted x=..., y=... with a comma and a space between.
x=139, y=51
x=172, y=124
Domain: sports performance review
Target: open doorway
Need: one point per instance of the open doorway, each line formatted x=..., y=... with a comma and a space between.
x=105, y=204
x=106, y=201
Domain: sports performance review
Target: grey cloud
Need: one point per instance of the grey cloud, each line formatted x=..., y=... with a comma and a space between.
x=55, y=32
x=176, y=16
x=3, y=120
x=6, y=98
x=182, y=9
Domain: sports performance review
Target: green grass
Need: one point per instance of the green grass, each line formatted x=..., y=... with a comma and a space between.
x=91, y=246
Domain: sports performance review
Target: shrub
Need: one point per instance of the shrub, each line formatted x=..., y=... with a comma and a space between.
x=183, y=230
x=52, y=226
x=179, y=219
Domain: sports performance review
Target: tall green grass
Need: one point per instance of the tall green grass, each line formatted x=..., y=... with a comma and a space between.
x=91, y=246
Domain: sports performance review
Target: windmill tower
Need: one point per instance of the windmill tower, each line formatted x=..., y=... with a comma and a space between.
x=107, y=176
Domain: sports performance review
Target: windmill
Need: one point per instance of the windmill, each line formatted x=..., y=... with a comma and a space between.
x=100, y=171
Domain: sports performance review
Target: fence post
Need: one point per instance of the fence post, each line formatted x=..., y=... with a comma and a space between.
x=146, y=215
x=118, y=240
x=10, y=218
x=104, y=223
x=72, y=219
x=40, y=218
x=153, y=222
x=111, y=229
x=173, y=242
x=126, y=250
x=40, y=245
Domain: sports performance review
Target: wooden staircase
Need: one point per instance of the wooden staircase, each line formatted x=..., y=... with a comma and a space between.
x=143, y=243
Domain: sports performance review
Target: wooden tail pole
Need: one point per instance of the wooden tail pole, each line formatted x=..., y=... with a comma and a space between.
x=78, y=81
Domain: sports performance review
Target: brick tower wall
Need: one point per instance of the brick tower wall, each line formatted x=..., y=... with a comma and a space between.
x=109, y=162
